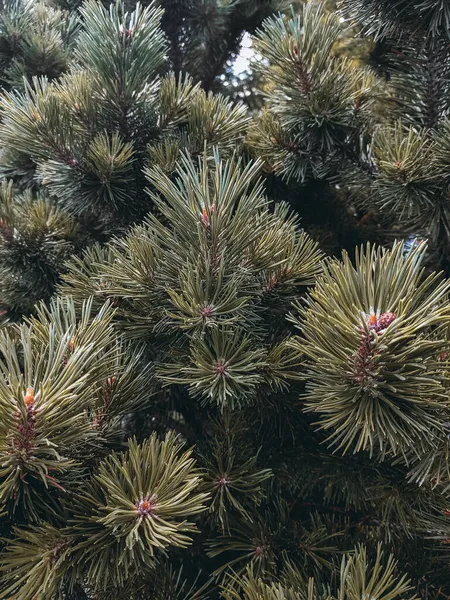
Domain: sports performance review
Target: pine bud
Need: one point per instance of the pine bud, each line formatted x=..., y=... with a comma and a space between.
x=205, y=217
x=379, y=323
x=207, y=312
x=223, y=481
x=372, y=321
x=123, y=30
x=146, y=507
x=386, y=319
x=29, y=397
x=221, y=368
x=295, y=50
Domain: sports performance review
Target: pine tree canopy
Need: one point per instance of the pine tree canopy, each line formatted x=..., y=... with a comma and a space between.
x=224, y=325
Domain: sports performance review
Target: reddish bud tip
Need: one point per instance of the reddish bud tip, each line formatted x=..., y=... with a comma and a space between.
x=221, y=368
x=146, y=507
x=29, y=397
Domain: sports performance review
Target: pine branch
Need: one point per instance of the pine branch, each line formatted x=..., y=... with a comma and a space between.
x=384, y=324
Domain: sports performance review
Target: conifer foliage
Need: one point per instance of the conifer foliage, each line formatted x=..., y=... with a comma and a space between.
x=86, y=138
x=197, y=402
x=36, y=38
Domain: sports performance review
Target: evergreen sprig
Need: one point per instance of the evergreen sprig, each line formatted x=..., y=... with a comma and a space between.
x=316, y=102
x=135, y=504
x=49, y=376
x=374, y=337
x=206, y=275
x=86, y=138
x=36, y=39
x=358, y=579
x=36, y=238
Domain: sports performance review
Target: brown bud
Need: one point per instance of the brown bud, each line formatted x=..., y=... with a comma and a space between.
x=29, y=397
x=386, y=319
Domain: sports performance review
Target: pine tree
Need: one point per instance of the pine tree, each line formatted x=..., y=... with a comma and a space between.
x=198, y=400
